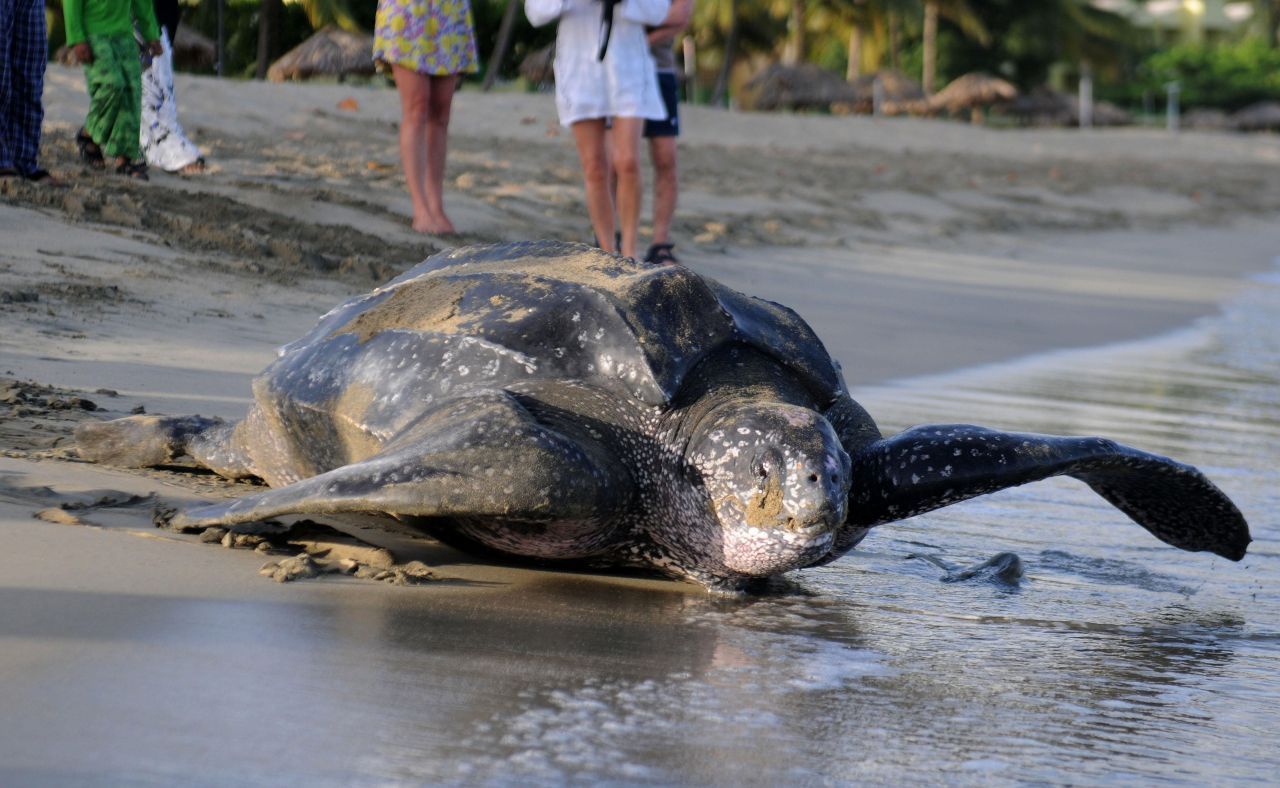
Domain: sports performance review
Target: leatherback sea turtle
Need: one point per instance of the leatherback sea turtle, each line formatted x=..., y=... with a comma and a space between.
x=549, y=401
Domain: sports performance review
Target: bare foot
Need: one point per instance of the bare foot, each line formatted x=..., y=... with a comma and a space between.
x=194, y=168
x=434, y=225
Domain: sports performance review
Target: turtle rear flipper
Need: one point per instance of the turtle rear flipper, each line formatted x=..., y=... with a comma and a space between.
x=479, y=457
x=931, y=466
x=140, y=441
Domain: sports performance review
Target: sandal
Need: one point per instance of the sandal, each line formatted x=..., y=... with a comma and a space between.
x=42, y=177
x=90, y=153
x=134, y=169
x=196, y=167
x=661, y=254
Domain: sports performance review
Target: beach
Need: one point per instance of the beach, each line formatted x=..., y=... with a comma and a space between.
x=916, y=249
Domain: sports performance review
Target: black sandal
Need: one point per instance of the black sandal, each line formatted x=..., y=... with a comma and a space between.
x=42, y=177
x=90, y=153
x=661, y=254
x=134, y=169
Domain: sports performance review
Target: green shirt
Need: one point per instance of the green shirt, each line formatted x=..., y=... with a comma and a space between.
x=108, y=17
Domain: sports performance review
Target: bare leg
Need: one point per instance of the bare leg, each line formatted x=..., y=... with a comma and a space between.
x=424, y=122
x=662, y=150
x=438, y=110
x=626, y=163
x=589, y=136
x=608, y=157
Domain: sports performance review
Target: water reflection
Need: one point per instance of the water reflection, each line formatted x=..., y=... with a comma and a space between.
x=1117, y=658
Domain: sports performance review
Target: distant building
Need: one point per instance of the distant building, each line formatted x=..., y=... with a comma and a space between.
x=1191, y=21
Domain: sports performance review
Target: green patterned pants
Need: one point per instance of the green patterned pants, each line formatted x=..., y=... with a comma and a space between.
x=114, y=79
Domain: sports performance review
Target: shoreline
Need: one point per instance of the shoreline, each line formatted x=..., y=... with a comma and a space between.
x=170, y=296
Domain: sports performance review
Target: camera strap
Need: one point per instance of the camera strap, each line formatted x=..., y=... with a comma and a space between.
x=606, y=26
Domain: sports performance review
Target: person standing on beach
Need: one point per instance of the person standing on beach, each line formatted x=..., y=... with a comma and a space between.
x=662, y=134
x=100, y=32
x=599, y=78
x=23, y=54
x=427, y=44
x=164, y=142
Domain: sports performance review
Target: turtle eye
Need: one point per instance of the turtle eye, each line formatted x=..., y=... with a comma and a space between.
x=760, y=468
x=763, y=466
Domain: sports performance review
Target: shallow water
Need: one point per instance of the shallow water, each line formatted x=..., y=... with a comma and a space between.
x=1116, y=659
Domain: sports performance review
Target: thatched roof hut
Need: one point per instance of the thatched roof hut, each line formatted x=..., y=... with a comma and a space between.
x=1107, y=114
x=974, y=92
x=802, y=87
x=1045, y=106
x=331, y=52
x=1263, y=116
x=1207, y=119
x=899, y=93
x=537, y=66
x=192, y=50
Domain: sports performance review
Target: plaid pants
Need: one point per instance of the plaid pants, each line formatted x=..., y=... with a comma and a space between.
x=23, y=52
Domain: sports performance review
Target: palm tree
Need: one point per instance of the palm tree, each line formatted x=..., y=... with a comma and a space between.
x=268, y=36
x=929, y=66
x=1022, y=40
x=1267, y=14
x=960, y=13
x=874, y=30
x=794, y=53
x=728, y=29
x=319, y=13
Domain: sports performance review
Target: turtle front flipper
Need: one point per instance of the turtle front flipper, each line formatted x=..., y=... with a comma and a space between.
x=478, y=458
x=935, y=465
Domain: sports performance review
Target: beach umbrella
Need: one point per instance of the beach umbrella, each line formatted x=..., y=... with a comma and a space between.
x=799, y=87
x=192, y=50
x=1263, y=116
x=1107, y=114
x=537, y=66
x=974, y=92
x=899, y=93
x=1045, y=106
x=331, y=52
x=1207, y=119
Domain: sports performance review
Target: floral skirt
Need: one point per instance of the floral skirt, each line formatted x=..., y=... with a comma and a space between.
x=434, y=37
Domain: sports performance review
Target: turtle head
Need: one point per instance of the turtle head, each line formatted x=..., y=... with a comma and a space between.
x=778, y=480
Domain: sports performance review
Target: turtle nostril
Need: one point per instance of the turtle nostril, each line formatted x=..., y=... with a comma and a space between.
x=813, y=478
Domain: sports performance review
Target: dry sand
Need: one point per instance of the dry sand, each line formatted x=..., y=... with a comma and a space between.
x=912, y=248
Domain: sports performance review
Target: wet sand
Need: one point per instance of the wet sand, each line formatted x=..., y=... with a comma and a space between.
x=139, y=655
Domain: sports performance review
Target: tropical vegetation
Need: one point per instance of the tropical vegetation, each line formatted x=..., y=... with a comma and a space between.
x=1047, y=42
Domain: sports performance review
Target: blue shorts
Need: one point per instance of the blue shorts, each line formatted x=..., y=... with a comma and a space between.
x=670, y=87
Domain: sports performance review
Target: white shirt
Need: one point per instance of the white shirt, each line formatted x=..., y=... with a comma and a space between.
x=625, y=84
